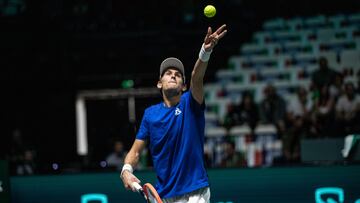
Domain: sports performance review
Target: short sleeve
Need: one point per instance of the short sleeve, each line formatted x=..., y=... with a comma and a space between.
x=143, y=132
x=195, y=106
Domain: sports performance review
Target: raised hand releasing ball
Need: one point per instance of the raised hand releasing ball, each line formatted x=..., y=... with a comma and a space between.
x=209, y=11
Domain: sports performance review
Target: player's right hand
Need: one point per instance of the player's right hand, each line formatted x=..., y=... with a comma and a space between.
x=128, y=178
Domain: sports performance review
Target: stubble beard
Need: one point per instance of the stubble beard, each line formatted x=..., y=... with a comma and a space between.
x=171, y=92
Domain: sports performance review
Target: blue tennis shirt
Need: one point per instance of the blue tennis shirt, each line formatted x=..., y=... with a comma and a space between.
x=176, y=142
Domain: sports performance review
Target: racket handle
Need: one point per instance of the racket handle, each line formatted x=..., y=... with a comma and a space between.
x=137, y=186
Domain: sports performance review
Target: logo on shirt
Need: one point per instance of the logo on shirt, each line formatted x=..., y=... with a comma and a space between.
x=177, y=111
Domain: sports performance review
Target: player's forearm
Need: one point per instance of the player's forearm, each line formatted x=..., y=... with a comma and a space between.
x=197, y=80
x=130, y=162
x=132, y=158
x=198, y=73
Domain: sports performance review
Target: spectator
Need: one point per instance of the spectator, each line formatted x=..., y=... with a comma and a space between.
x=273, y=109
x=348, y=110
x=245, y=113
x=298, y=117
x=358, y=82
x=336, y=88
x=232, y=158
x=27, y=164
x=17, y=148
x=116, y=158
x=323, y=114
x=324, y=75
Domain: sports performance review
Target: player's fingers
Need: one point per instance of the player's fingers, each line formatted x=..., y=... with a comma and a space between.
x=134, y=179
x=127, y=186
x=133, y=188
x=221, y=35
x=128, y=179
x=208, y=34
x=124, y=180
x=220, y=29
x=209, y=31
x=130, y=186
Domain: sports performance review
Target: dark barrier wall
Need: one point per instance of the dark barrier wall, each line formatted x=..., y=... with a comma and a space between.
x=4, y=183
x=274, y=185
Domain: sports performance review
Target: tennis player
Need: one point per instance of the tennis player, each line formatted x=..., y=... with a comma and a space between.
x=175, y=131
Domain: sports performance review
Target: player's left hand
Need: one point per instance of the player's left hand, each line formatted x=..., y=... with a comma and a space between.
x=128, y=178
x=212, y=38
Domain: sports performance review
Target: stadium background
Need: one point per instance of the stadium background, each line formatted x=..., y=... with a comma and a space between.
x=52, y=50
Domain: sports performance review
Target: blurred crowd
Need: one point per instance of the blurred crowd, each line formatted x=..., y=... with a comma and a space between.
x=329, y=108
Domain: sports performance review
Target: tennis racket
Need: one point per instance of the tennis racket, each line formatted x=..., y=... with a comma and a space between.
x=148, y=192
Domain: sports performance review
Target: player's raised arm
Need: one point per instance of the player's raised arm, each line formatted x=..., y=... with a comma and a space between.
x=198, y=73
x=131, y=160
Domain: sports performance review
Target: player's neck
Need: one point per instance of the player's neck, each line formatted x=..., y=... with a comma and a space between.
x=172, y=101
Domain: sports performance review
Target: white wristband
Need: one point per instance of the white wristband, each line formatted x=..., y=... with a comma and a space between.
x=127, y=167
x=204, y=55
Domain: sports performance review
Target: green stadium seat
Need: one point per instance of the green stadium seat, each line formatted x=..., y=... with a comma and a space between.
x=337, y=20
x=275, y=24
x=350, y=58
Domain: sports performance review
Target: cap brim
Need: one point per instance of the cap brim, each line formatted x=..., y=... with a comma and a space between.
x=171, y=63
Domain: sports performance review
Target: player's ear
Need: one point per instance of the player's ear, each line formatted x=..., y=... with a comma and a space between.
x=159, y=84
x=184, y=88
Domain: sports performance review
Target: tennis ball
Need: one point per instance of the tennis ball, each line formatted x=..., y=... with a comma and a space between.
x=209, y=11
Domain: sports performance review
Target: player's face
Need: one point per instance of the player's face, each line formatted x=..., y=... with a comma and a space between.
x=172, y=79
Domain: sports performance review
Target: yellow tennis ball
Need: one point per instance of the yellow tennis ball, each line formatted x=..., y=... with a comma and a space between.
x=209, y=11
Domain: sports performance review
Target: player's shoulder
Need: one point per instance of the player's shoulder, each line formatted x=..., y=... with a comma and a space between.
x=152, y=108
x=186, y=95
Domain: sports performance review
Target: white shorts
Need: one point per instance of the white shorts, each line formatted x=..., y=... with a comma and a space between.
x=201, y=195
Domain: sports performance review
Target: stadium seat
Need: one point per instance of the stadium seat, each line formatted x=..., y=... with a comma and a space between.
x=275, y=24
x=337, y=20
x=211, y=119
x=324, y=35
x=295, y=23
x=331, y=57
x=215, y=131
x=240, y=135
x=350, y=58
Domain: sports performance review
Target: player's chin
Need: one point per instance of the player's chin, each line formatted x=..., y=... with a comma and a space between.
x=172, y=91
x=173, y=86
